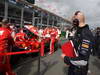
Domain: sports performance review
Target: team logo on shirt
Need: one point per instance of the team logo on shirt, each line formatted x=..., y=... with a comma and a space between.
x=85, y=45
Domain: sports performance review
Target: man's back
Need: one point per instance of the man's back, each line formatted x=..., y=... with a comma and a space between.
x=4, y=41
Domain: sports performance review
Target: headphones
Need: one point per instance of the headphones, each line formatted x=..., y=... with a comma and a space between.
x=76, y=13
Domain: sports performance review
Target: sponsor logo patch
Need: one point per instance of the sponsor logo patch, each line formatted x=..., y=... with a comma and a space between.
x=85, y=45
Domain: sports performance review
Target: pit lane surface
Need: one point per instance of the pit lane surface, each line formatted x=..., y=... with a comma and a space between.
x=53, y=65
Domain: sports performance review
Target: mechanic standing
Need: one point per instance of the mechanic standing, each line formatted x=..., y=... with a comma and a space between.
x=83, y=43
x=6, y=42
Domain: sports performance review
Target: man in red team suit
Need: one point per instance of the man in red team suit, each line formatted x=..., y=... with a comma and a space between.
x=20, y=39
x=6, y=42
x=53, y=34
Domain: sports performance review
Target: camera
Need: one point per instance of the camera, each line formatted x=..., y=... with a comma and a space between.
x=75, y=22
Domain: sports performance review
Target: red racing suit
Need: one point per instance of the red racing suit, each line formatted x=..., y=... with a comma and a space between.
x=5, y=44
x=53, y=39
x=20, y=36
x=20, y=39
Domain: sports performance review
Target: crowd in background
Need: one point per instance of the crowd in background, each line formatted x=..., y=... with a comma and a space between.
x=96, y=33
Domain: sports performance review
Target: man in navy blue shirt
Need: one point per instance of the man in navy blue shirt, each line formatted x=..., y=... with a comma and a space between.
x=82, y=41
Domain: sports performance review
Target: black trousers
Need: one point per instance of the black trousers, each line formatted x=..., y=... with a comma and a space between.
x=80, y=70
